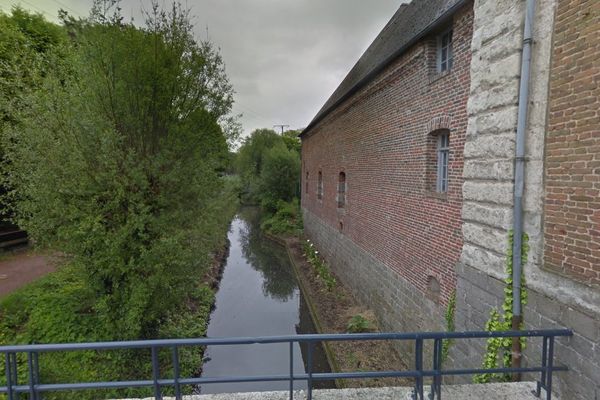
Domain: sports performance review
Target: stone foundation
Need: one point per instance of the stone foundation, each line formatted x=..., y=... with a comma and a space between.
x=399, y=306
x=478, y=293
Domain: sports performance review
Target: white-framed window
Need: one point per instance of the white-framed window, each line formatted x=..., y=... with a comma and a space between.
x=443, y=154
x=445, y=53
x=342, y=190
x=320, y=186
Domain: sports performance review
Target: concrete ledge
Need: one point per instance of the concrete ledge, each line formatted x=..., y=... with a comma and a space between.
x=491, y=391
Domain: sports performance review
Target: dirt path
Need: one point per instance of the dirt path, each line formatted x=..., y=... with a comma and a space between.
x=19, y=268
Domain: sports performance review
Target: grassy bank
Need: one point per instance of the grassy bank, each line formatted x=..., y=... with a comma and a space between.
x=62, y=307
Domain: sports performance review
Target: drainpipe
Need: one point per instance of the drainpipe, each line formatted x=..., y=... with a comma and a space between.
x=519, y=183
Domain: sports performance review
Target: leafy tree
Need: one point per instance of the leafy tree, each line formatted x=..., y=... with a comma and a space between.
x=279, y=176
x=116, y=163
x=250, y=159
x=292, y=140
x=29, y=45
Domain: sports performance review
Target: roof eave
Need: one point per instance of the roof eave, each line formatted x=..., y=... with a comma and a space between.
x=369, y=77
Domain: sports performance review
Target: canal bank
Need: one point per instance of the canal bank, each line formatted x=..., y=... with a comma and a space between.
x=332, y=310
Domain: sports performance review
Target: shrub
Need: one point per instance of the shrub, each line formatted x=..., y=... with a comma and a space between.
x=358, y=324
x=286, y=220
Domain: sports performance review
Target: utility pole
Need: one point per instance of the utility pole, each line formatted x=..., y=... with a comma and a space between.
x=281, y=126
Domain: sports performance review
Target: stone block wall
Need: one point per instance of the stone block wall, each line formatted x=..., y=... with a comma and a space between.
x=554, y=301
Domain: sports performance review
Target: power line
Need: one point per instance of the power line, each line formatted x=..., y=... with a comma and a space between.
x=251, y=111
x=36, y=8
x=67, y=7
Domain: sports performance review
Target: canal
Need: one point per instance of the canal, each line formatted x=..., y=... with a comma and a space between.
x=258, y=296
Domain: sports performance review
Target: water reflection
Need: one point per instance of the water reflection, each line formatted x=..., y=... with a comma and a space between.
x=258, y=296
x=271, y=261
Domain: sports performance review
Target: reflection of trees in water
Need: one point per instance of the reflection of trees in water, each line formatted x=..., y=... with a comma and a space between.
x=271, y=261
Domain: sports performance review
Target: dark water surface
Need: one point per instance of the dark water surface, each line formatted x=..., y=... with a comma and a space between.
x=258, y=296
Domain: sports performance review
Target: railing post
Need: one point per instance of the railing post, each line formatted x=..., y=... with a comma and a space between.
x=419, y=392
x=9, y=375
x=156, y=374
x=436, y=385
x=309, y=367
x=176, y=373
x=542, y=381
x=550, y=366
x=32, y=376
x=291, y=370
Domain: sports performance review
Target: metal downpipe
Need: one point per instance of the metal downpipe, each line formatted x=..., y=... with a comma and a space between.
x=519, y=182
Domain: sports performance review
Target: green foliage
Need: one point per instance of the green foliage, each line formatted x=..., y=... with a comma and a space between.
x=287, y=220
x=59, y=308
x=29, y=46
x=292, y=140
x=131, y=148
x=269, y=166
x=502, y=347
x=449, y=316
x=279, y=176
x=358, y=324
x=320, y=267
x=116, y=162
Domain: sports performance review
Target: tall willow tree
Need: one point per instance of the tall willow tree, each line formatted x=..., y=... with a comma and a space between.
x=116, y=162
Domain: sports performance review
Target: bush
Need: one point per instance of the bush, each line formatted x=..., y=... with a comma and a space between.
x=286, y=220
x=358, y=324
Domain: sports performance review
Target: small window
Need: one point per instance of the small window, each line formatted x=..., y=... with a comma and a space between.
x=342, y=190
x=320, y=186
x=444, y=51
x=443, y=152
x=306, y=184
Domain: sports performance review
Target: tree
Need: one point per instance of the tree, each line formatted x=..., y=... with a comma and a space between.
x=250, y=159
x=28, y=46
x=116, y=163
x=279, y=176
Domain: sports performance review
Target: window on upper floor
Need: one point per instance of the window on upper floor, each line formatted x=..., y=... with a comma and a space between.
x=341, y=200
x=443, y=154
x=444, y=51
x=320, y=186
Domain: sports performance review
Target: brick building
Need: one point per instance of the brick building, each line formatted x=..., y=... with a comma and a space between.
x=408, y=173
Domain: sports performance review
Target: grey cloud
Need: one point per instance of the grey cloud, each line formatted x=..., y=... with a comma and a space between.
x=284, y=57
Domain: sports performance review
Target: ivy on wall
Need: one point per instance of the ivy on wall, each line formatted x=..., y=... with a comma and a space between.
x=501, y=348
x=449, y=316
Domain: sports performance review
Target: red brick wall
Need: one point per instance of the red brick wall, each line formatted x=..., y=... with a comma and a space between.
x=381, y=138
x=572, y=202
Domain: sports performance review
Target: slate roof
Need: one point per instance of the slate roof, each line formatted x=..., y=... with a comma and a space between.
x=410, y=23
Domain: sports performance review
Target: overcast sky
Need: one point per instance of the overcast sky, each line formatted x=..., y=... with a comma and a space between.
x=283, y=57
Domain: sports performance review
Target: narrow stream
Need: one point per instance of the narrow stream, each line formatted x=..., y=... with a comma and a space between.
x=258, y=296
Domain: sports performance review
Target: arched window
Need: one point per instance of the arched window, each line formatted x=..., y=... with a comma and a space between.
x=438, y=161
x=306, y=183
x=443, y=153
x=341, y=190
x=320, y=186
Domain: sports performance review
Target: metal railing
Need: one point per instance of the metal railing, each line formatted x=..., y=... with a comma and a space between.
x=34, y=387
